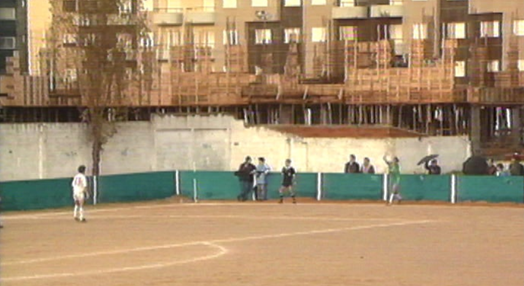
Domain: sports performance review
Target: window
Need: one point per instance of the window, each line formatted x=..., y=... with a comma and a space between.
x=229, y=4
x=124, y=40
x=292, y=35
x=204, y=39
x=259, y=3
x=147, y=40
x=397, y=34
x=460, y=69
x=518, y=27
x=176, y=38
x=70, y=75
x=521, y=65
x=125, y=6
x=209, y=5
x=420, y=31
x=318, y=35
x=231, y=37
x=292, y=3
x=347, y=3
x=7, y=14
x=263, y=36
x=396, y=2
x=493, y=66
x=490, y=29
x=69, y=6
x=70, y=39
x=456, y=30
x=147, y=5
x=318, y=2
x=348, y=33
x=7, y=43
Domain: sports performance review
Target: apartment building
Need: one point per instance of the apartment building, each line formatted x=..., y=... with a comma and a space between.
x=267, y=27
x=13, y=32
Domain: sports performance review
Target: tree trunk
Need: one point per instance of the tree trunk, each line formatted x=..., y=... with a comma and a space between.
x=96, y=151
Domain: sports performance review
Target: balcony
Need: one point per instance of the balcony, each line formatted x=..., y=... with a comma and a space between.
x=168, y=17
x=201, y=15
x=356, y=12
x=386, y=11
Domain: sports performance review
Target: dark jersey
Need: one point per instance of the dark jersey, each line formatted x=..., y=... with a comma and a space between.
x=245, y=172
x=288, y=174
x=352, y=167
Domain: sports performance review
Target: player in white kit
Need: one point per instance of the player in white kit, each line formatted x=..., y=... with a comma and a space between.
x=79, y=185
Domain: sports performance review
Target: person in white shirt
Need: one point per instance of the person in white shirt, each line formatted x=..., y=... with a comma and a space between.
x=79, y=185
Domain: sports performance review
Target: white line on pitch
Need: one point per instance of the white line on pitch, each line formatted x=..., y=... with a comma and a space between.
x=222, y=217
x=238, y=239
x=221, y=251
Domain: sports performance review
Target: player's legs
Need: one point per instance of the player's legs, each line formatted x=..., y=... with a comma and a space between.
x=78, y=212
x=75, y=210
x=395, y=195
x=292, y=193
x=281, y=192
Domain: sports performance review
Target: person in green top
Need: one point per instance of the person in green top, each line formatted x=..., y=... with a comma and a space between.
x=394, y=179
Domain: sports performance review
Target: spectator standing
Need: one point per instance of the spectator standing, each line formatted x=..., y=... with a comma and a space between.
x=492, y=169
x=352, y=166
x=367, y=168
x=433, y=167
x=394, y=180
x=245, y=174
x=515, y=168
x=501, y=171
x=261, y=174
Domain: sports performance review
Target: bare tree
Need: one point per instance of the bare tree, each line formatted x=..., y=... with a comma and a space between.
x=103, y=40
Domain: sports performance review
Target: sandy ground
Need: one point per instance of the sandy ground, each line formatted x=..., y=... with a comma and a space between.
x=265, y=244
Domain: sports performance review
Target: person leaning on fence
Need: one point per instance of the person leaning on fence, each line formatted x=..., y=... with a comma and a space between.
x=501, y=171
x=352, y=166
x=433, y=167
x=288, y=182
x=515, y=168
x=262, y=172
x=492, y=169
x=394, y=180
x=245, y=175
x=367, y=168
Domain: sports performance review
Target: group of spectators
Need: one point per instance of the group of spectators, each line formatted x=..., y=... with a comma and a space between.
x=254, y=178
x=353, y=167
x=515, y=168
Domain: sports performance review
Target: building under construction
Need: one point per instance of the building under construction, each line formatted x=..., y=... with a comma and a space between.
x=430, y=67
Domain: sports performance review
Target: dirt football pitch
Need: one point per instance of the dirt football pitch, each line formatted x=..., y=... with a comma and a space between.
x=219, y=244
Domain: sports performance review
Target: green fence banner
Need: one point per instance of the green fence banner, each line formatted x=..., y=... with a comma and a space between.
x=36, y=194
x=218, y=185
x=425, y=187
x=136, y=187
x=352, y=186
x=490, y=189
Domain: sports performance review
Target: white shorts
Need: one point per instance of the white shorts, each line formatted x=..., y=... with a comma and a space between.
x=80, y=196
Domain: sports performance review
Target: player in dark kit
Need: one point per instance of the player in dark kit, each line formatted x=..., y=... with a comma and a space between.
x=288, y=180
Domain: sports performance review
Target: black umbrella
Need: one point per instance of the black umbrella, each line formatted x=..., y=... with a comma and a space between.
x=427, y=159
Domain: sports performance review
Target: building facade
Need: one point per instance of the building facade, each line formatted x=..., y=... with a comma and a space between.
x=435, y=67
x=13, y=32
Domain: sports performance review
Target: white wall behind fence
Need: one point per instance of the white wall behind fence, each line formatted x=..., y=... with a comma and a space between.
x=215, y=142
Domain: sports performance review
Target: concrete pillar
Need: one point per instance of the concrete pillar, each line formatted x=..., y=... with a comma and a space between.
x=475, y=129
x=516, y=125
